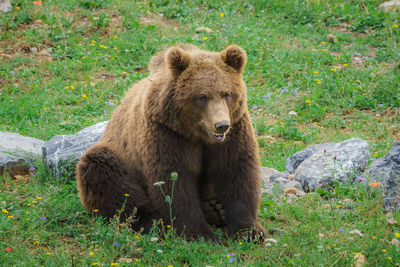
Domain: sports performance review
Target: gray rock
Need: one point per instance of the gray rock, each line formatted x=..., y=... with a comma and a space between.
x=63, y=151
x=387, y=171
x=318, y=166
x=18, y=152
x=266, y=173
x=294, y=161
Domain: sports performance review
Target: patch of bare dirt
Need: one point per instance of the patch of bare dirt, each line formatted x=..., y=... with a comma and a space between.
x=160, y=21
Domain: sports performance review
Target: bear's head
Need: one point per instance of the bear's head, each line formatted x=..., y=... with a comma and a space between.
x=206, y=93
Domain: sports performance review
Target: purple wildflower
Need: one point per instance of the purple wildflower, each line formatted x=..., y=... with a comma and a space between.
x=231, y=260
x=224, y=25
x=254, y=107
x=341, y=230
x=12, y=72
x=32, y=169
x=324, y=150
x=294, y=98
x=233, y=12
x=133, y=243
x=335, y=156
x=212, y=9
x=360, y=179
x=109, y=103
x=284, y=90
x=116, y=244
x=251, y=7
x=295, y=91
x=372, y=159
x=43, y=218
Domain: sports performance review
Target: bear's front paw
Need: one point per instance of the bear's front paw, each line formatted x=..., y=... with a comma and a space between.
x=256, y=234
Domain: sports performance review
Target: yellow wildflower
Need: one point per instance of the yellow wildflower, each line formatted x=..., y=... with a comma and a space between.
x=318, y=81
x=4, y=211
x=36, y=243
x=395, y=26
x=127, y=195
x=397, y=235
x=373, y=237
x=221, y=15
x=95, y=210
x=91, y=254
x=48, y=253
x=95, y=264
x=389, y=258
x=114, y=264
x=72, y=87
x=345, y=65
x=84, y=96
x=323, y=43
x=308, y=101
x=18, y=7
x=316, y=72
x=137, y=260
x=313, y=50
x=205, y=38
x=10, y=217
x=384, y=250
x=29, y=204
x=38, y=198
x=34, y=201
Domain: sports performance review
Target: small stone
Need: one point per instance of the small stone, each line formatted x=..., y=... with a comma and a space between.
x=356, y=232
x=44, y=53
x=204, y=29
x=271, y=240
x=268, y=244
x=293, y=113
x=5, y=6
x=390, y=5
x=331, y=38
x=391, y=221
x=33, y=49
x=321, y=235
x=290, y=190
x=291, y=177
x=154, y=239
x=159, y=251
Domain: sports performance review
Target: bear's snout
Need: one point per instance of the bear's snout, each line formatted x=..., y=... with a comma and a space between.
x=222, y=126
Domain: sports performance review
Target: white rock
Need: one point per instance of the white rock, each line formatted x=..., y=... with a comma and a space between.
x=293, y=113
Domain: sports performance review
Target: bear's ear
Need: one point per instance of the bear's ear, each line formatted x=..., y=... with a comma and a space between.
x=177, y=60
x=235, y=57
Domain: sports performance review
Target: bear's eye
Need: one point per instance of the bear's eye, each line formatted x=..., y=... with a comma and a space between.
x=227, y=96
x=203, y=98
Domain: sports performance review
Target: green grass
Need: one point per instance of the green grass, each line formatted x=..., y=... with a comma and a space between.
x=97, y=49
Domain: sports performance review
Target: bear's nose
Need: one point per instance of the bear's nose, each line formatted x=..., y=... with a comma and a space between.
x=222, y=126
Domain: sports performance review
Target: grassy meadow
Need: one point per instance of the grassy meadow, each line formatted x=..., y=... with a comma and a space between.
x=65, y=65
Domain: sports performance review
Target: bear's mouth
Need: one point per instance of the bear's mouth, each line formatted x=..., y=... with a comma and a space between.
x=217, y=136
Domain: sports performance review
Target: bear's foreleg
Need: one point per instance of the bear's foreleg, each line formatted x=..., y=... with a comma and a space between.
x=233, y=169
x=105, y=187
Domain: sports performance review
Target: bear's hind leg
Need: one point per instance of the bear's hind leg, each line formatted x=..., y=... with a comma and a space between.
x=105, y=187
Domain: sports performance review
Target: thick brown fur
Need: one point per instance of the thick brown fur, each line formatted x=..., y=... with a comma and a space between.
x=171, y=122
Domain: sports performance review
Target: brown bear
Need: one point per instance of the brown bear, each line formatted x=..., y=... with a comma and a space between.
x=189, y=116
